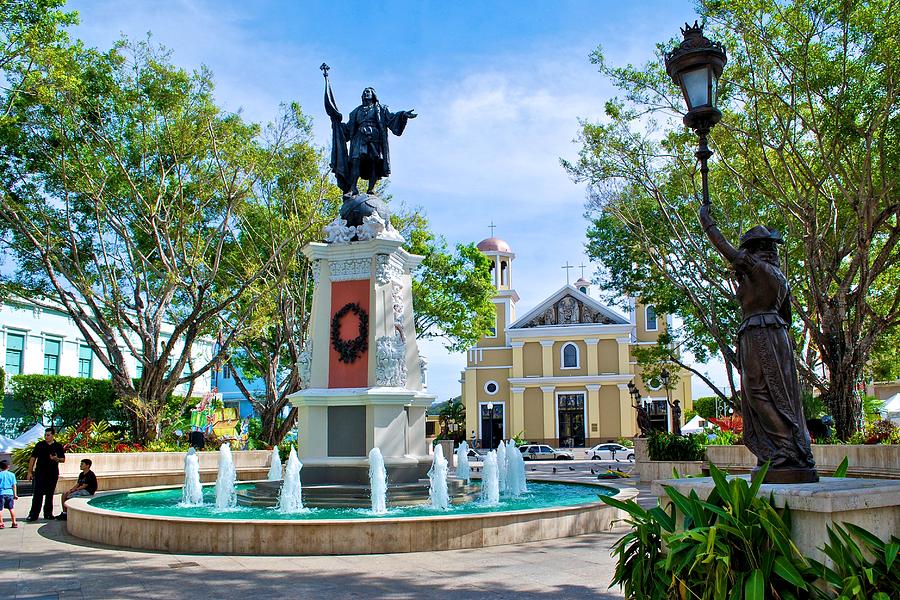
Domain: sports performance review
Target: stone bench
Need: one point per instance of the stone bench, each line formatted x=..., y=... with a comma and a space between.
x=124, y=480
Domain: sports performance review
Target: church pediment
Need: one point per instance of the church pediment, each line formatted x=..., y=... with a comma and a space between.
x=569, y=307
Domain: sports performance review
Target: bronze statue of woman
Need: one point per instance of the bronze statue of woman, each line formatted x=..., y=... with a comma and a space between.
x=774, y=425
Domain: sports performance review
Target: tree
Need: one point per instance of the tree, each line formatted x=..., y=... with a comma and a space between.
x=808, y=143
x=128, y=197
x=270, y=348
x=452, y=290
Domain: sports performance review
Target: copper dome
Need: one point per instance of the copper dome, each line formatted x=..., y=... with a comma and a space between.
x=493, y=244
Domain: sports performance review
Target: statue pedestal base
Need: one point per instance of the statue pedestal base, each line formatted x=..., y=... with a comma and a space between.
x=873, y=504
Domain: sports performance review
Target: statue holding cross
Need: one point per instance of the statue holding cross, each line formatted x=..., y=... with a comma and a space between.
x=366, y=133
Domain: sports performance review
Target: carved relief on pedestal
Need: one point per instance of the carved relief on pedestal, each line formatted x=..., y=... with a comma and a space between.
x=397, y=302
x=387, y=268
x=304, y=365
x=350, y=269
x=423, y=371
x=316, y=270
x=338, y=232
x=390, y=361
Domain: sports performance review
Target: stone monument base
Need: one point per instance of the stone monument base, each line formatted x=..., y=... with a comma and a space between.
x=873, y=504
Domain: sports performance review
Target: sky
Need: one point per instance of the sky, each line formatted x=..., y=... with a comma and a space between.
x=499, y=88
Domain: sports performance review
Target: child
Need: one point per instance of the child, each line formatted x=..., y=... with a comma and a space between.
x=84, y=488
x=8, y=493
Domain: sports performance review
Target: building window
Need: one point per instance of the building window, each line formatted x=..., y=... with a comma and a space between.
x=492, y=333
x=226, y=371
x=15, y=346
x=583, y=290
x=491, y=388
x=650, y=318
x=51, y=357
x=85, y=362
x=138, y=368
x=570, y=356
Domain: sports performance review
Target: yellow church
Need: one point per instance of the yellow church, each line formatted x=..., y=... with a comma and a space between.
x=559, y=374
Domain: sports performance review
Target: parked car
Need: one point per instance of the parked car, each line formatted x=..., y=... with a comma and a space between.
x=544, y=452
x=610, y=452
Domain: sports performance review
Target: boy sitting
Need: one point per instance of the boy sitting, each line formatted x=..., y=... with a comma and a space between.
x=86, y=486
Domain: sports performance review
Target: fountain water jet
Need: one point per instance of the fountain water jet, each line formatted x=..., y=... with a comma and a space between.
x=512, y=471
x=275, y=469
x=291, y=498
x=520, y=469
x=490, y=489
x=192, y=492
x=437, y=474
x=501, y=467
x=226, y=497
x=378, y=481
x=462, y=462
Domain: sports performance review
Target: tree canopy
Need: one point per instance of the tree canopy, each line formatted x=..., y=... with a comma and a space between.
x=808, y=144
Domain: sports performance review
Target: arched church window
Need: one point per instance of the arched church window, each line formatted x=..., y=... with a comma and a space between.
x=570, y=356
x=651, y=318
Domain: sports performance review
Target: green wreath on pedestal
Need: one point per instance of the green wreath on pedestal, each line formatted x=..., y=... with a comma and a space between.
x=350, y=350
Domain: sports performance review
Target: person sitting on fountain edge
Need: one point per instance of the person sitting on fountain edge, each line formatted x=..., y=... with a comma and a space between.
x=84, y=488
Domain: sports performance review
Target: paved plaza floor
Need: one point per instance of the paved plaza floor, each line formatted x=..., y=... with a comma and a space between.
x=42, y=561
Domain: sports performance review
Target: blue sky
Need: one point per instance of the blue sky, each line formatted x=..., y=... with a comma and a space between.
x=498, y=86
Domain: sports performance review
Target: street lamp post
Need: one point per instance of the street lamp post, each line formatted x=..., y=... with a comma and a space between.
x=695, y=66
x=490, y=407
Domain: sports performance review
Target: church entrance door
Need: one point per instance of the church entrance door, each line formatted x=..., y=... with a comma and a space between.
x=570, y=415
x=491, y=425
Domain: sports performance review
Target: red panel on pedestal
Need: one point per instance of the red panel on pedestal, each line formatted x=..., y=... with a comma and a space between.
x=355, y=374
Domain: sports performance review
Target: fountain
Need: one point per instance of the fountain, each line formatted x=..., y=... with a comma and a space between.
x=361, y=414
x=501, y=467
x=463, y=471
x=519, y=466
x=192, y=492
x=490, y=486
x=291, y=498
x=437, y=475
x=378, y=481
x=275, y=469
x=226, y=497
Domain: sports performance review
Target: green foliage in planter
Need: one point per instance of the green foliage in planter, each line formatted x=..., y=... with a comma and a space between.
x=668, y=446
x=72, y=398
x=877, y=432
x=852, y=575
x=736, y=545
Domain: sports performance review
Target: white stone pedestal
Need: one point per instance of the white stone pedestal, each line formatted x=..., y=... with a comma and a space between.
x=873, y=504
x=378, y=398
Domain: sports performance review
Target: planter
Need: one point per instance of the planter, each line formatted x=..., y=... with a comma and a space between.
x=652, y=470
x=879, y=461
x=121, y=470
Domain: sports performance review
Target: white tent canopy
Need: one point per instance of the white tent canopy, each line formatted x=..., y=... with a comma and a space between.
x=695, y=425
x=892, y=408
x=32, y=435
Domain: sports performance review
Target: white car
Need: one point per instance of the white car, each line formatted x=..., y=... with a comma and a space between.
x=610, y=451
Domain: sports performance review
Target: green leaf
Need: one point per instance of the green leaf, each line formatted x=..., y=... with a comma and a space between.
x=755, y=587
x=890, y=554
x=841, y=471
x=787, y=571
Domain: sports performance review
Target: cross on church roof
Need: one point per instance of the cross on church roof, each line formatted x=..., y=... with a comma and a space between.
x=493, y=227
x=567, y=266
x=583, y=267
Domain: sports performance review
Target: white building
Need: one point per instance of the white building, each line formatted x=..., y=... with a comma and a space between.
x=40, y=340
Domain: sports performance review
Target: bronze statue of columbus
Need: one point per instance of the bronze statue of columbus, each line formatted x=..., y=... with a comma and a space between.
x=366, y=131
x=774, y=424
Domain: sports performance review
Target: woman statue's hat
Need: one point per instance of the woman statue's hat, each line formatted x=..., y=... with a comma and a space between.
x=760, y=233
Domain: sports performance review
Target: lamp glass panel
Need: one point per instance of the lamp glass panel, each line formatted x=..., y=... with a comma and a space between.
x=696, y=87
x=714, y=88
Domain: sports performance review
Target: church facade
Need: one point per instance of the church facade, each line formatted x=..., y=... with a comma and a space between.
x=559, y=373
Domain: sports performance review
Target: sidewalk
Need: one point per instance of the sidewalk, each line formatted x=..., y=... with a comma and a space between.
x=42, y=561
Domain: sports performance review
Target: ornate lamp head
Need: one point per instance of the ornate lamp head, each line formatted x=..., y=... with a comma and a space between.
x=695, y=66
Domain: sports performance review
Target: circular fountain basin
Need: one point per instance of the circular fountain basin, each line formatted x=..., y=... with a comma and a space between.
x=148, y=519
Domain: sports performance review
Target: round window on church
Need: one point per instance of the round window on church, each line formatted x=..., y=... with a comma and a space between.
x=491, y=387
x=654, y=383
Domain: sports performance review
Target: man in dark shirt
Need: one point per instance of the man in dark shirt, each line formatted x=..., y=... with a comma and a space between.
x=86, y=486
x=43, y=468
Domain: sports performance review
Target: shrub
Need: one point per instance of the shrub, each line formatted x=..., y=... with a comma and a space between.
x=669, y=446
x=852, y=575
x=71, y=398
x=879, y=432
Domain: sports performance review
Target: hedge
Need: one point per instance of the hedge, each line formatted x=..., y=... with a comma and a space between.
x=72, y=398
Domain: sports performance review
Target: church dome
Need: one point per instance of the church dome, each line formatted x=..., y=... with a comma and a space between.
x=493, y=244
x=582, y=282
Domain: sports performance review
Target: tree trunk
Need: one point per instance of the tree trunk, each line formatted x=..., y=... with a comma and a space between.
x=843, y=402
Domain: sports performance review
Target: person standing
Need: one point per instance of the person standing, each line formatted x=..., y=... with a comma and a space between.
x=43, y=470
x=8, y=493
